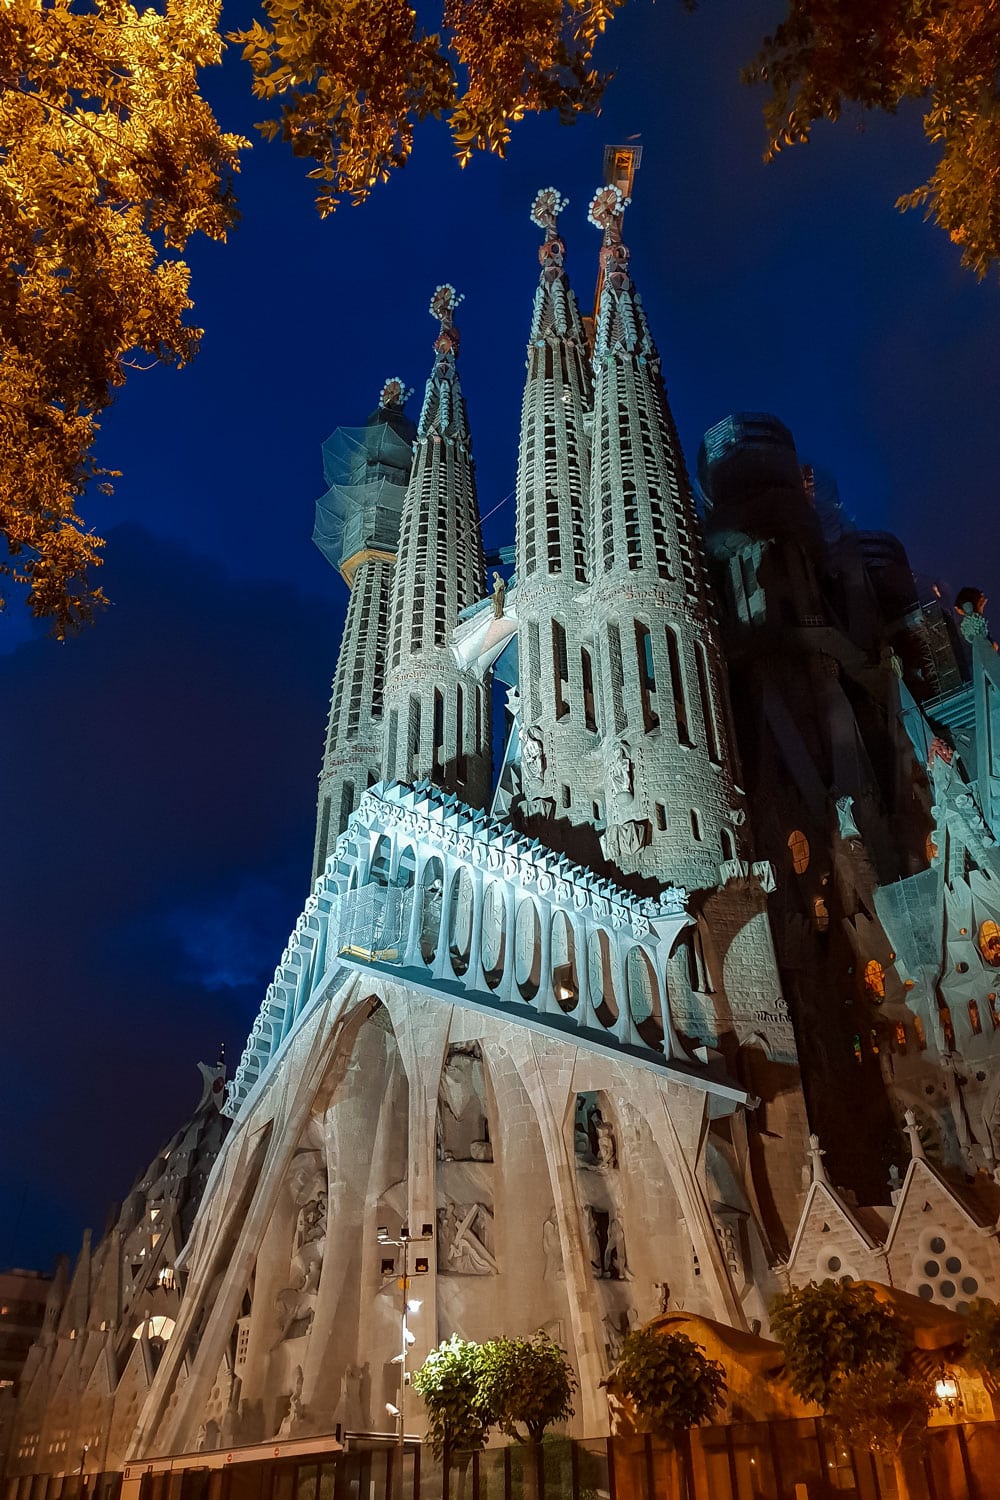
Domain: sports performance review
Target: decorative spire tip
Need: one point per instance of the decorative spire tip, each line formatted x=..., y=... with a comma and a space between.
x=547, y=205
x=394, y=392
x=607, y=207
x=444, y=302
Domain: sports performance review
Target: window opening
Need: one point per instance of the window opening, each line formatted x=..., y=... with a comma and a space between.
x=875, y=980
x=798, y=847
x=560, y=667
x=677, y=688
x=707, y=703
x=587, y=673
x=647, y=675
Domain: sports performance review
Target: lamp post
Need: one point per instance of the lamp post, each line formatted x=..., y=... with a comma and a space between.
x=409, y=1305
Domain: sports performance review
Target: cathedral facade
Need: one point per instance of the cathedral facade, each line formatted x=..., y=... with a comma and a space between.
x=646, y=1019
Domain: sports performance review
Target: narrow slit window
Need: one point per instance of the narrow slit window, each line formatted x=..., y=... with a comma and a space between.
x=696, y=824
x=438, y=729
x=461, y=763
x=647, y=675
x=413, y=737
x=617, y=677
x=346, y=803
x=560, y=670
x=707, y=703
x=587, y=673
x=677, y=688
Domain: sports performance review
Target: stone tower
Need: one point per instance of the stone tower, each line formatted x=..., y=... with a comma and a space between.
x=438, y=716
x=357, y=530
x=669, y=796
x=560, y=771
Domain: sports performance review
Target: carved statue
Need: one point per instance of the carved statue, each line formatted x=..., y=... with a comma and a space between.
x=847, y=827
x=552, y=1249
x=616, y=1329
x=499, y=595
x=462, y=1129
x=532, y=753
x=593, y=1242
x=620, y=769
x=615, y=1263
x=460, y=1247
x=607, y=1151
x=293, y=1416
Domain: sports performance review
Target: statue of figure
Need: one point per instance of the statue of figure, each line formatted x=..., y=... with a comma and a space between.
x=499, y=595
x=293, y=1416
x=552, y=1249
x=532, y=753
x=847, y=827
x=620, y=769
x=593, y=1242
x=607, y=1151
x=615, y=1263
x=459, y=1246
x=200, y=1437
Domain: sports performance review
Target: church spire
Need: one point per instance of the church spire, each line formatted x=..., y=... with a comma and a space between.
x=668, y=772
x=556, y=666
x=437, y=716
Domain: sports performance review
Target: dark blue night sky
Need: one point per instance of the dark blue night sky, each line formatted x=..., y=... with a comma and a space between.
x=160, y=770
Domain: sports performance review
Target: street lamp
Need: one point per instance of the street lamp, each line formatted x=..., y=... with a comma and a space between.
x=421, y=1266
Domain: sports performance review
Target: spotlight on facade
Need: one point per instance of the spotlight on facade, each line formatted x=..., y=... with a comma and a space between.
x=392, y=1410
x=382, y=1234
x=413, y=1305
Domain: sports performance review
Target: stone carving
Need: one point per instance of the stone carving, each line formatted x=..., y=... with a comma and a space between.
x=662, y=1290
x=737, y=816
x=620, y=769
x=465, y=1239
x=764, y=872
x=552, y=1249
x=532, y=753
x=617, y=1326
x=625, y=839
x=294, y=1414
x=499, y=595
x=970, y=605
x=295, y=1303
x=462, y=1131
x=846, y=826
x=594, y=1250
x=615, y=1262
x=607, y=1151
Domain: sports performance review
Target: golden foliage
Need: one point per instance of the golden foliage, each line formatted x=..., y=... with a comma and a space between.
x=879, y=53
x=109, y=160
x=356, y=76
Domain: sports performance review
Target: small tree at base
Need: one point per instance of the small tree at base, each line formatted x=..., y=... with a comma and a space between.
x=881, y=1409
x=449, y=1381
x=670, y=1381
x=526, y=1381
x=982, y=1339
x=831, y=1330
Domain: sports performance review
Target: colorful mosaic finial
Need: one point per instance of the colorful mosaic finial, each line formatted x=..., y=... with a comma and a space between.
x=443, y=305
x=546, y=207
x=394, y=392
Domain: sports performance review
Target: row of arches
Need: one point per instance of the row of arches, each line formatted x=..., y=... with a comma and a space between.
x=532, y=950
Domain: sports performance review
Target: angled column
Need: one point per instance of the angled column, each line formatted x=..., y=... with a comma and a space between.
x=668, y=763
x=438, y=715
x=357, y=530
x=555, y=635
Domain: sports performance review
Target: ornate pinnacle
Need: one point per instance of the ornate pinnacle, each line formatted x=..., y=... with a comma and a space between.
x=607, y=209
x=394, y=392
x=443, y=305
x=548, y=204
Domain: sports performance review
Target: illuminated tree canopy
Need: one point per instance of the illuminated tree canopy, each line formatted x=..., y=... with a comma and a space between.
x=109, y=160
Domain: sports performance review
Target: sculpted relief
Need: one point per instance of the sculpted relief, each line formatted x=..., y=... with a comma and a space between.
x=295, y=1303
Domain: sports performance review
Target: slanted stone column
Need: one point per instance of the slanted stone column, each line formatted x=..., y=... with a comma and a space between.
x=546, y=1070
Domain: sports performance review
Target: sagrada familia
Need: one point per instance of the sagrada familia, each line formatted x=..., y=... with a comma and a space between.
x=693, y=998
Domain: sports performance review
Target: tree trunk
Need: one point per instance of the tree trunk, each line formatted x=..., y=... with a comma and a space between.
x=911, y=1478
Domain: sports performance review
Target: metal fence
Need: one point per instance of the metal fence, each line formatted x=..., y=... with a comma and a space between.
x=791, y=1460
